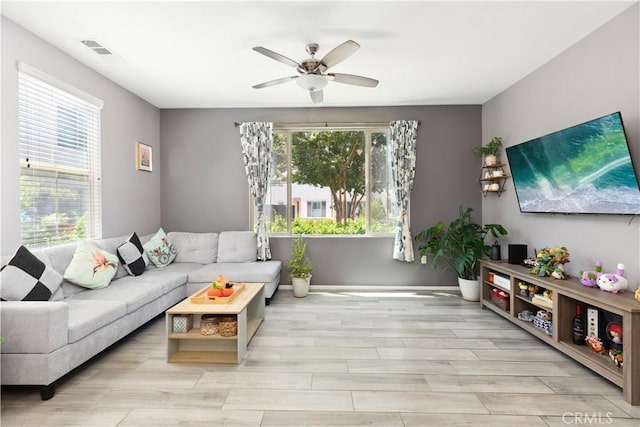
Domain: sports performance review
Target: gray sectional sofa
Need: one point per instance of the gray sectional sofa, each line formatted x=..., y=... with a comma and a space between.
x=44, y=340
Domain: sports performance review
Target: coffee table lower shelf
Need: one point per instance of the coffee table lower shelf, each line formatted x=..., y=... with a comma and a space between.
x=227, y=357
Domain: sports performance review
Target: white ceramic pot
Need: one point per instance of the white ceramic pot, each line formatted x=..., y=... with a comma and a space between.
x=490, y=160
x=470, y=289
x=300, y=286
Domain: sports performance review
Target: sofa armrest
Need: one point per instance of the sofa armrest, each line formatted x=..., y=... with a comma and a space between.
x=34, y=326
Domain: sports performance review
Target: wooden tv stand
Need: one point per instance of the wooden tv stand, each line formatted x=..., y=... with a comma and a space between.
x=567, y=294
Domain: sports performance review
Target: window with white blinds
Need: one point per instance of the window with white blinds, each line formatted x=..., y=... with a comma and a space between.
x=60, y=187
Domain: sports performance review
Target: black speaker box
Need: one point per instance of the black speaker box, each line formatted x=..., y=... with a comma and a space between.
x=517, y=254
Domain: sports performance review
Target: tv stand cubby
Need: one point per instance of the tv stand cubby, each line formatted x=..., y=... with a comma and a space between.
x=567, y=294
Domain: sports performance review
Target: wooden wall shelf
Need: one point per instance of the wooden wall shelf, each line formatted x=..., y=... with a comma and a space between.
x=490, y=182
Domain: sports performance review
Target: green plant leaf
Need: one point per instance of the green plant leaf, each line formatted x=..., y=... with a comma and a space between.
x=458, y=246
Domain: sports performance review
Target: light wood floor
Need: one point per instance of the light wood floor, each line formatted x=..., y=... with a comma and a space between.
x=339, y=359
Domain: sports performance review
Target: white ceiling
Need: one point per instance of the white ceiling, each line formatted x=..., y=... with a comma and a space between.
x=198, y=54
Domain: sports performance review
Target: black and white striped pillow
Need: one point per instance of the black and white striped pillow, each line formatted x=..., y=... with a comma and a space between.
x=132, y=256
x=26, y=278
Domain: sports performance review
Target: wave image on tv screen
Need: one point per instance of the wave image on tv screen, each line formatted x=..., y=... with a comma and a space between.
x=582, y=169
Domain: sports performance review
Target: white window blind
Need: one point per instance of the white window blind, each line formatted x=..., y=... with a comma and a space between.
x=60, y=188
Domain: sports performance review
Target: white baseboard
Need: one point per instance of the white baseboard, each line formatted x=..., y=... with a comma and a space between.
x=385, y=288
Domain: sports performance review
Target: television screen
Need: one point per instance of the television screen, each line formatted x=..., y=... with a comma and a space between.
x=584, y=169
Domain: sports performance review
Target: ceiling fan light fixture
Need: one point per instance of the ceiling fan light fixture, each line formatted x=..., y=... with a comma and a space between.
x=311, y=82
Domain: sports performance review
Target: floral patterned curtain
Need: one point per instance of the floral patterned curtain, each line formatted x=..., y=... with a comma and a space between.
x=257, y=139
x=403, y=167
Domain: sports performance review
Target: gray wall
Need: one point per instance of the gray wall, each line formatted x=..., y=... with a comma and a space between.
x=131, y=199
x=204, y=187
x=597, y=76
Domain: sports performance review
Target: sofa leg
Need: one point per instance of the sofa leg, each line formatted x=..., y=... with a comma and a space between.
x=48, y=391
x=267, y=301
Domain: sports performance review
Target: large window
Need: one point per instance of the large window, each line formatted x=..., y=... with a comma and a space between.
x=60, y=191
x=335, y=181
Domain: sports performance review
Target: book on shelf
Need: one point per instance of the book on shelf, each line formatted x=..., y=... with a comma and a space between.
x=542, y=300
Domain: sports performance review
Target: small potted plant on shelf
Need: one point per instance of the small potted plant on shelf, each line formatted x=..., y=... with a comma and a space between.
x=459, y=247
x=300, y=268
x=490, y=151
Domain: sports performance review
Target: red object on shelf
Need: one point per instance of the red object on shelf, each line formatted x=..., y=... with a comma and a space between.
x=500, y=298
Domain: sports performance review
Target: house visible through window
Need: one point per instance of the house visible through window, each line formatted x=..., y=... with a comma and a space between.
x=331, y=181
x=60, y=188
x=317, y=209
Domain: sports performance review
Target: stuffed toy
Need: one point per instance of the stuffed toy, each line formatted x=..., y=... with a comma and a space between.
x=550, y=262
x=637, y=294
x=589, y=278
x=613, y=282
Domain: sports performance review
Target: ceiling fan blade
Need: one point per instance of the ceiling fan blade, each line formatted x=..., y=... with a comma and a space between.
x=351, y=79
x=339, y=53
x=274, y=82
x=275, y=55
x=316, y=96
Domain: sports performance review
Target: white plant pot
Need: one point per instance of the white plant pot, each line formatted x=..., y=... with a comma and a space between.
x=470, y=289
x=490, y=160
x=300, y=286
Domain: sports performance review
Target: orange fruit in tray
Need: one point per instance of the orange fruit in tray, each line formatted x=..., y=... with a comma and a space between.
x=214, y=292
x=227, y=292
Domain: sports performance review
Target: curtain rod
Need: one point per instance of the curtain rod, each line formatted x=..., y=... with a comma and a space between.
x=327, y=124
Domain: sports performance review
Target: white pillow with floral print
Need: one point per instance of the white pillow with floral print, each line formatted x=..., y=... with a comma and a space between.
x=91, y=267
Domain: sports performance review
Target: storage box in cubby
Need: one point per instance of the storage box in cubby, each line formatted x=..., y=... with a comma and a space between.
x=500, y=298
x=182, y=324
x=502, y=281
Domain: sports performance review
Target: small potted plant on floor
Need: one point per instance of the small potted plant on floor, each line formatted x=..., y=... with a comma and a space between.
x=459, y=247
x=490, y=151
x=300, y=268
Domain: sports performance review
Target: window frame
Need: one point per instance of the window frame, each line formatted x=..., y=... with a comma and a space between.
x=368, y=130
x=50, y=112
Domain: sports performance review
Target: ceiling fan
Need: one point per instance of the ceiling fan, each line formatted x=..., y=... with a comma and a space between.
x=312, y=72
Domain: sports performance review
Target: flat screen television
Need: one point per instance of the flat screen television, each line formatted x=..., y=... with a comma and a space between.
x=584, y=169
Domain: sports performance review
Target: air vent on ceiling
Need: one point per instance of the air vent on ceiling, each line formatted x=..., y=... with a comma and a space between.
x=96, y=47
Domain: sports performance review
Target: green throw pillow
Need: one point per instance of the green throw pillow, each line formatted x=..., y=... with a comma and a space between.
x=160, y=250
x=91, y=267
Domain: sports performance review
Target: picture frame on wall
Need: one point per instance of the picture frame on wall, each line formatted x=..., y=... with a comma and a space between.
x=144, y=157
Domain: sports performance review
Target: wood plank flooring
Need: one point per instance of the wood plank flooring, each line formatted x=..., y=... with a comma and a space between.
x=338, y=359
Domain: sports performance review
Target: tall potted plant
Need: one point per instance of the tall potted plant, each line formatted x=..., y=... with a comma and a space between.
x=490, y=151
x=300, y=268
x=458, y=247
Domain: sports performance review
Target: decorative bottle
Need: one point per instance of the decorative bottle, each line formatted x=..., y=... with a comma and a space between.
x=578, y=327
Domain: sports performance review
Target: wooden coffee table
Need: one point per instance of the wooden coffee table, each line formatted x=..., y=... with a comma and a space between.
x=193, y=347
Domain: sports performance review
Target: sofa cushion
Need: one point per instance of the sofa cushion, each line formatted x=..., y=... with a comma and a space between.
x=85, y=317
x=256, y=272
x=132, y=256
x=136, y=291
x=91, y=267
x=195, y=247
x=237, y=246
x=160, y=250
x=26, y=278
x=181, y=267
x=59, y=256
